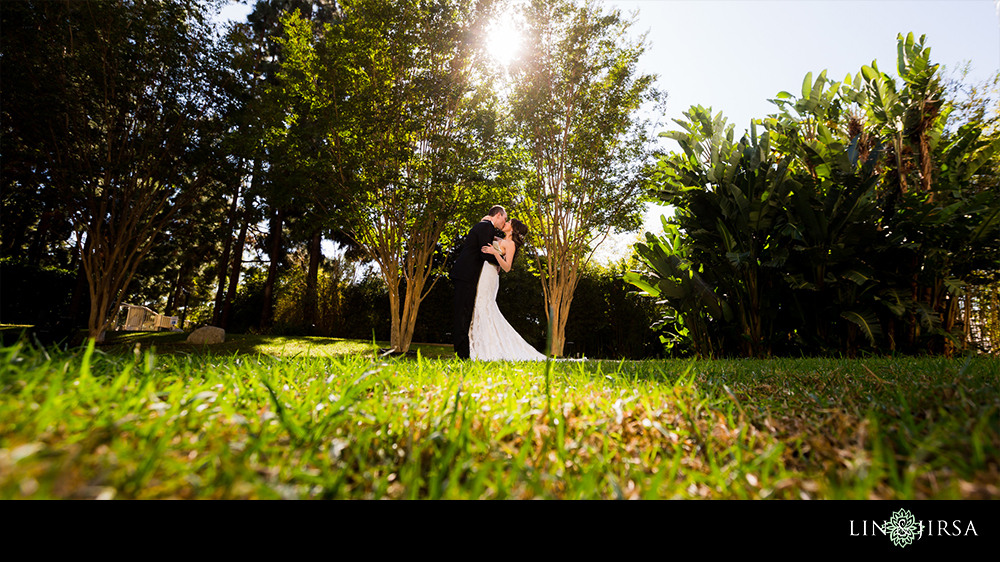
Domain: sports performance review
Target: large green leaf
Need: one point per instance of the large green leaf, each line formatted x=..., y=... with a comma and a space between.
x=867, y=321
x=856, y=276
x=807, y=85
x=800, y=196
x=987, y=229
x=982, y=157
x=640, y=282
x=895, y=300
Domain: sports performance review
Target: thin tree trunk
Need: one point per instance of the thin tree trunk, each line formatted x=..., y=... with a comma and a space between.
x=175, y=292
x=224, y=261
x=98, y=315
x=560, y=297
x=312, y=298
x=395, y=333
x=37, y=247
x=951, y=309
x=411, y=305
x=966, y=321
x=234, y=277
x=267, y=312
x=184, y=313
x=81, y=283
x=416, y=271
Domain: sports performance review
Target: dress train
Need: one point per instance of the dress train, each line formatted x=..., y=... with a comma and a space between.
x=491, y=337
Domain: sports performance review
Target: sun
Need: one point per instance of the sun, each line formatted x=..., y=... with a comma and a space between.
x=503, y=40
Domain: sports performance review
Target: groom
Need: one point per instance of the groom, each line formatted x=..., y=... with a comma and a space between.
x=465, y=274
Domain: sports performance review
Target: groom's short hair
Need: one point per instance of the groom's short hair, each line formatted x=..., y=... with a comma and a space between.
x=496, y=210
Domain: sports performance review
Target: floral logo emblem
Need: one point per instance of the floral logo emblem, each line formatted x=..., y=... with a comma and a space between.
x=902, y=528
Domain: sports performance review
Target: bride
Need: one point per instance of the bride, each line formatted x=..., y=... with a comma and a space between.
x=491, y=337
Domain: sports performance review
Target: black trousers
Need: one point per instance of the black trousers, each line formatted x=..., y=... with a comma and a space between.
x=465, y=303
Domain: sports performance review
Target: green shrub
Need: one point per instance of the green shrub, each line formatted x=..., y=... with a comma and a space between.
x=30, y=294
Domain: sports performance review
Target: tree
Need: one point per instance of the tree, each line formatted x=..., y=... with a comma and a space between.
x=246, y=62
x=730, y=201
x=120, y=139
x=267, y=175
x=977, y=103
x=410, y=128
x=810, y=232
x=575, y=102
x=951, y=225
x=298, y=189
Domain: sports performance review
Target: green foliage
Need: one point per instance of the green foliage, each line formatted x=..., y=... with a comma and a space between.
x=695, y=312
x=609, y=320
x=730, y=200
x=109, y=108
x=33, y=294
x=855, y=220
x=405, y=116
x=575, y=100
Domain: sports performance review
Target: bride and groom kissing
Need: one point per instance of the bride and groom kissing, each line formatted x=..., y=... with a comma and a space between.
x=481, y=332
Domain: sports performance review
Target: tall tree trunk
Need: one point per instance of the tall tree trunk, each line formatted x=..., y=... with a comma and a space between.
x=412, y=298
x=99, y=307
x=966, y=319
x=224, y=261
x=184, y=313
x=38, y=245
x=81, y=282
x=558, y=298
x=234, y=276
x=175, y=292
x=267, y=312
x=395, y=333
x=387, y=262
x=180, y=288
x=416, y=271
x=309, y=314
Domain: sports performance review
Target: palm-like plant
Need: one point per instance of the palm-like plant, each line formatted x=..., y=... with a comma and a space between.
x=730, y=198
x=812, y=234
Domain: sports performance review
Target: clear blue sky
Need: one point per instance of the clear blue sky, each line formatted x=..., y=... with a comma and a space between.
x=733, y=55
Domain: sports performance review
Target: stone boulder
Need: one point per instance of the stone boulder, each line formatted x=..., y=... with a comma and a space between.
x=207, y=335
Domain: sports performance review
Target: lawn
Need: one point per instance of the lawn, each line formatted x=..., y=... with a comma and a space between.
x=244, y=344
x=267, y=417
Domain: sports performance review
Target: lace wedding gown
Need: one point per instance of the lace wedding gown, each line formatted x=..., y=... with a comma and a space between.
x=491, y=337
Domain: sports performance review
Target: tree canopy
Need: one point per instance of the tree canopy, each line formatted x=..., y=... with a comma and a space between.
x=575, y=108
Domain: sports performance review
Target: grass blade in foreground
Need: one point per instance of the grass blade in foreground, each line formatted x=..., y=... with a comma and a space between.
x=204, y=426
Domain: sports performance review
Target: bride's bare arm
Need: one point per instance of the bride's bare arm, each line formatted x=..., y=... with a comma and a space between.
x=505, y=258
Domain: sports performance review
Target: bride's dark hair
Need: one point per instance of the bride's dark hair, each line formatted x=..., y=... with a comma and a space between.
x=518, y=230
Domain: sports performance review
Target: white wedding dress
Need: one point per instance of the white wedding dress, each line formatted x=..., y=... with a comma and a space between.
x=491, y=337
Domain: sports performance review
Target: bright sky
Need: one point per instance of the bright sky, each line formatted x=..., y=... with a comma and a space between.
x=733, y=55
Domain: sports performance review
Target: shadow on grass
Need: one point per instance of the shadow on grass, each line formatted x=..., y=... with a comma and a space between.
x=175, y=343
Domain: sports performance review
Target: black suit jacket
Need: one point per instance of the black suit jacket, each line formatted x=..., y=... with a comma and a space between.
x=469, y=264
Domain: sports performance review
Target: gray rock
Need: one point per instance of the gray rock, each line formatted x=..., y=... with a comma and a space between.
x=207, y=335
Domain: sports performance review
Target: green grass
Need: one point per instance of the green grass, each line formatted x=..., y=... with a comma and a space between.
x=245, y=344
x=298, y=424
